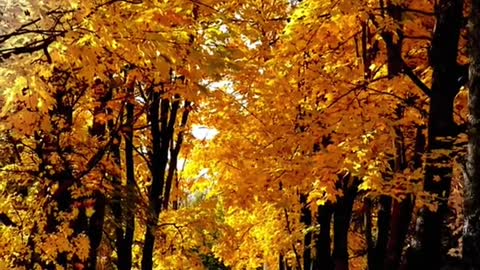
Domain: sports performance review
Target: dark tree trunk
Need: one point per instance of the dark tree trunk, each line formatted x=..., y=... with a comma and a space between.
x=383, y=227
x=401, y=217
x=441, y=129
x=125, y=236
x=130, y=171
x=402, y=214
x=471, y=235
x=341, y=222
x=175, y=147
x=159, y=157
x=162, y=117
x=117, y=211
x=323, y=258
x=172, y=166
x=377, y=251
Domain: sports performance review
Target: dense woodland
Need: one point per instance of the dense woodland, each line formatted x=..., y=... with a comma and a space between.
x=254, y=134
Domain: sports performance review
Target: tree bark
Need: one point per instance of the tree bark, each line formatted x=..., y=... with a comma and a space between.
x=323, y=258
x=341, y=222
x=125, y=236
x=159, y=158
x=441, y=129
x=402, y=214
x=175, y=148
x=471, y=235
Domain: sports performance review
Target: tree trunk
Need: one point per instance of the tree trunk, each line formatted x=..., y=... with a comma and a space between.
x=383, y=228
x=471, y=235
x=341, y=222
x=125, y=237
x=159, y=157
x=175, y=147
x=441, y=129
x=323, y=258
x=402, y=214
x=306, y=219
x=162, y=117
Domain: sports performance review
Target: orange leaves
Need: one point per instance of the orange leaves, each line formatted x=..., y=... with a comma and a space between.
x=290, y=101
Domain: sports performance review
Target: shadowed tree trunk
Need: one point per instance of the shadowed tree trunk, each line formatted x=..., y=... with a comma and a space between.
x=471, y=235
x=402, y=214
x=341, y=221
x=323, y=258
x=158, y=117
x=163, y=117
x=441, y=130
x=125, y=216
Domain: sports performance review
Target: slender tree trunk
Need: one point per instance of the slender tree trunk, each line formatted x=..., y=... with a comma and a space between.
x=130, y=171
x=369, y=234
x=471, y=235
x=341, y=222
x=323, y=258
x=306, y=219
x=175, y=148
x=377, y=250
x=117, y=211
x=402, y=214
x=163, y=119
x=125, y=236
x=383, y=227
x=173, y=155
x=159, y=158
x=281, y=262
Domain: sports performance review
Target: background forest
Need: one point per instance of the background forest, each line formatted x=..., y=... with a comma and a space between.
x=255, y=134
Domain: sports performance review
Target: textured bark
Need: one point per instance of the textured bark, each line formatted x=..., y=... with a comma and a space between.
x=471, y=236
x=441, y=128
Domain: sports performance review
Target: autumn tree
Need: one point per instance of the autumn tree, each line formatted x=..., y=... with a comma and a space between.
x=336, y=123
